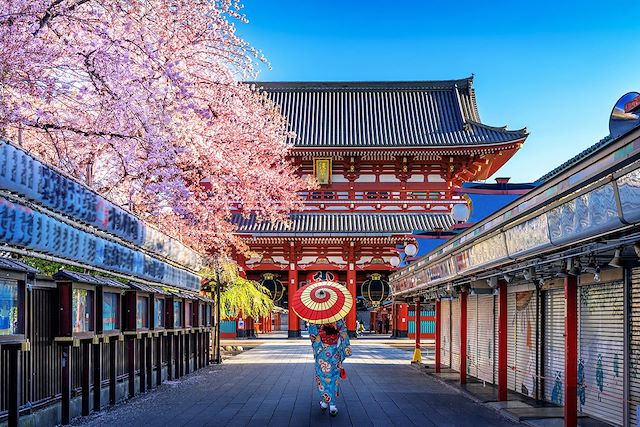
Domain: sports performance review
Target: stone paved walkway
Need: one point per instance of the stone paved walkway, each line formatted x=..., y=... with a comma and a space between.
x=272, y=385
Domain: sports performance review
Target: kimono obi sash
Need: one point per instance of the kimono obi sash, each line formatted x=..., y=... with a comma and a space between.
x=329, y=339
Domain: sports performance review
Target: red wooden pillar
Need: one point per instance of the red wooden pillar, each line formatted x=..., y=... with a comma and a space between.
x=372, y=321
x=242, y=265
x=351, y=286
x=394, y=320
x=438, y=328
x=463, y=337
x=403, y=320
x=294, y=322
x=417, y=353
x=502, y=340
x=571, y=350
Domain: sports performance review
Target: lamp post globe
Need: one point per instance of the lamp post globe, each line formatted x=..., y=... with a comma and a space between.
x=460, y=213
x=410, y=249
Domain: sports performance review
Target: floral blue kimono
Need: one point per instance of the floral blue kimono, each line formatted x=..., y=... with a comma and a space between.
x=329, y=352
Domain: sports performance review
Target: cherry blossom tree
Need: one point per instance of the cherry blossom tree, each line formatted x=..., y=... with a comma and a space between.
x=142, y=100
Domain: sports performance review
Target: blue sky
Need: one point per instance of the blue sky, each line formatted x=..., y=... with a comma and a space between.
x=555, y=67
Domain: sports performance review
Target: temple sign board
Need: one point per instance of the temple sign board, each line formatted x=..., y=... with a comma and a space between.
x=322, y=170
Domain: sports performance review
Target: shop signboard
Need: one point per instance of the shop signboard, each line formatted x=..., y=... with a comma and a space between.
x=27, y=228
x=33, y=180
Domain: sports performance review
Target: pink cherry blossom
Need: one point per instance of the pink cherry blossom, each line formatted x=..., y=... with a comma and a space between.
x=142, y=101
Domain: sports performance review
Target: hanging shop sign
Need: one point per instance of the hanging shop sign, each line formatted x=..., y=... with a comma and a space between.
x=28, y=177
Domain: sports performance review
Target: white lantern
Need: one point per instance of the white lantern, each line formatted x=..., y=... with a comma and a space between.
x=410, y=249
x=460, y=213
x=395, y=261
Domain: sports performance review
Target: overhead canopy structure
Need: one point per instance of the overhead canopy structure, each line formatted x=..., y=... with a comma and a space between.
x=589, y=205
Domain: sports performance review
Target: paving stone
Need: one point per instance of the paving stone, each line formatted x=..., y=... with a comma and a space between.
x=272, y=385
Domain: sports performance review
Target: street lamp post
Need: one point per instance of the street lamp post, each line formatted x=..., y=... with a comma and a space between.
x=218, y=286
x=410, y=251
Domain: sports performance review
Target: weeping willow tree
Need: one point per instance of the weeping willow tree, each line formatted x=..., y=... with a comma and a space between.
x=239, y=294
x=247, y=296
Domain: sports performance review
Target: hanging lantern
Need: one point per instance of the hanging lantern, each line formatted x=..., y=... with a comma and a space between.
x=375, y=289
x=274, y=285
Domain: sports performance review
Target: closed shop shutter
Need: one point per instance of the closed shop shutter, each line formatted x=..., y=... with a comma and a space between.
x=601, y=351
x=634, y=348
x=525, y=338
x=445, y=341
x=472, y=335
x=485, y=333
x=511, y=341
x=554, y=346
x=455, y=334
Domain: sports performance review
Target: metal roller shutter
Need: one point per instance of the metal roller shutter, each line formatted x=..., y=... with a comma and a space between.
x=554, y=346
x=445, y=341
x=634, y=348
x=472, y=335
x=525, y=337
x=455, y=334
x=601, y=351
x=512, y=323
x=486, y=339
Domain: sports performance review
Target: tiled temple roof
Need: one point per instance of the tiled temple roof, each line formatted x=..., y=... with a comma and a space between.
x=345, y=224
x=385, y=114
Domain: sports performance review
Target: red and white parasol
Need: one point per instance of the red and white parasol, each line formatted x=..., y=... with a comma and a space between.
x=322, y=302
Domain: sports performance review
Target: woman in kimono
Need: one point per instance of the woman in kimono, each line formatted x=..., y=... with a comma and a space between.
x=331, y=346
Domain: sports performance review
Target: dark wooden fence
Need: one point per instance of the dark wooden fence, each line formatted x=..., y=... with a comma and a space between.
x=40, y=376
